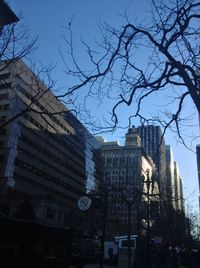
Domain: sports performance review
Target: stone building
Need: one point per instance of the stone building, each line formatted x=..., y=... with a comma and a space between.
x=129, y=175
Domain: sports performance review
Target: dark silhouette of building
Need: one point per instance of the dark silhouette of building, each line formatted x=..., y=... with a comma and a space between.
x=48, y=159
x=7, y=16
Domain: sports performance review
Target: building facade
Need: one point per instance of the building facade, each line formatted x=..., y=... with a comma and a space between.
x=179, y=198
x=173, y=181
x=154, y=145
x=48, y=160
x=170, y=180
x=127, y=170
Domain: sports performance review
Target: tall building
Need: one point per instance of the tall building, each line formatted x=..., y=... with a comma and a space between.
x=154, y=145
x=173, y=181
x=179, y=201
x=48, y=160
x=127, y=169
x=198, y=167
x=170, y=180
x=182, y=204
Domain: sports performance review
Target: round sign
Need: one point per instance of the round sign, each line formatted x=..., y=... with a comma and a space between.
x=84, y=203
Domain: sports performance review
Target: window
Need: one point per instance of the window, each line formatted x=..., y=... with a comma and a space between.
x=2, y=131
x=1, y=144
x=4, y=76
x=3, y=118
x=5, y=86
x=4, y=96
x=50, y=213
x=6, y=107
x=60, y=214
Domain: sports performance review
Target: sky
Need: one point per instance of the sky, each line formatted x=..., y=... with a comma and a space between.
x=47, y=19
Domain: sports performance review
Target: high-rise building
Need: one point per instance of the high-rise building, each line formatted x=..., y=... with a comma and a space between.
x=154, y=145
x=173, y=181
x=182, y=208
x=170, y=181
x=48, y=160
x=127, y=170
x=179, y=203
x=198, y=167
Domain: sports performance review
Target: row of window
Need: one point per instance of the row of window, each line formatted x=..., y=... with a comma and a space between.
x=120, y=171
x=41, y=107
x=4, y=76
x=4, y=107
x=5, y=86
x=64, y=150
x=70, y=140
x=4, y=96
x=58, y=160
x=1, y=144
x=117, y=161
x=44, y=175
x=53, y=167
x=3, y=131
x=62, y=140
x=3, y=118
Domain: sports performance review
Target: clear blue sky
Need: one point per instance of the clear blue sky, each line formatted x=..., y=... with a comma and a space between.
x=46, y=19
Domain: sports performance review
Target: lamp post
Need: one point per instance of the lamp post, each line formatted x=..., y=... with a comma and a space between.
x=148, y=184
x=84, y=204
x=103, y=235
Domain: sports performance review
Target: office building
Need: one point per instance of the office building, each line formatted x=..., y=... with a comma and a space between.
x=127, y=170
x=154, y=145
x=170, y=181
x=173, y=181
x=48, y=160
x=179, y=199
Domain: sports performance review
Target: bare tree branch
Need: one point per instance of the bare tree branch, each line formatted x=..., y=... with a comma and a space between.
x=170, y=43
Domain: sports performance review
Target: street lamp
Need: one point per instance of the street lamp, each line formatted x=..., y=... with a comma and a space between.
x=104, y=198
x=85, y=203
x=148, y=184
